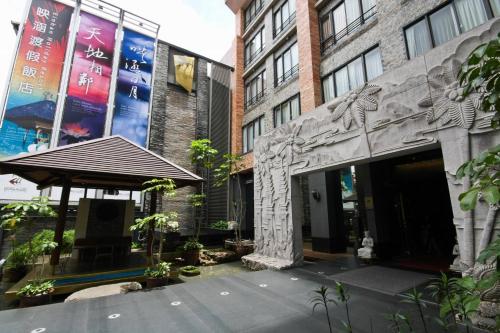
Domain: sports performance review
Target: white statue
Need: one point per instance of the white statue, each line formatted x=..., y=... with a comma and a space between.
x=366, y=252
x=456, y=262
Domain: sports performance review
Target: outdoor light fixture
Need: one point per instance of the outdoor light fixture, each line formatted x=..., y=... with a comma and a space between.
x=316, y=195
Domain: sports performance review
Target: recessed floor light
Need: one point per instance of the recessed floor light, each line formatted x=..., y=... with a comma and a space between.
x=224, y=293
x=39, y=330
x=294, y=278
x=176, y=303
x=263, y=285
x=114, y=316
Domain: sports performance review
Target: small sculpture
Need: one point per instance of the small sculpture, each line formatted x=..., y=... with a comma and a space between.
x=456, y=262
x=366, y=252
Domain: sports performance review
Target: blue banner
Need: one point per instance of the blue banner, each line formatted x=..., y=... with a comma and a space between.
x=133, y=89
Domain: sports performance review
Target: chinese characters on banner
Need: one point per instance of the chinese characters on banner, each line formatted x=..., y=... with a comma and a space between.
x=35, y=80
x=84, y=113
x=133, y=89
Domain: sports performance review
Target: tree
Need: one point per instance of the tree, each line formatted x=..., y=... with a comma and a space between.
x=203, y=155
x=229, y=170
x=162, y=221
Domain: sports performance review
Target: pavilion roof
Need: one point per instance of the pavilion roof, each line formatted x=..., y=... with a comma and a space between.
x=110, y=162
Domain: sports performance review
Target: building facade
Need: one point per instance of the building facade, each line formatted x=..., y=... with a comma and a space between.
x=177, y=118
x=364, y=88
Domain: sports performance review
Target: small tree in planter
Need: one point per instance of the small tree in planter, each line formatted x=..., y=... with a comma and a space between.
x=157, y=274
x=23, y=214
x=229, y=170
x=192, y=250
x=203, y=155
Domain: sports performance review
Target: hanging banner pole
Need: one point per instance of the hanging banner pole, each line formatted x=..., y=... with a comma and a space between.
x=13, y=59
x=65, y=76
x=150, y=113
x=114, y=75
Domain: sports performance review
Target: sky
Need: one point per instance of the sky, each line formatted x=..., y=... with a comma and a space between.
x=202, y=26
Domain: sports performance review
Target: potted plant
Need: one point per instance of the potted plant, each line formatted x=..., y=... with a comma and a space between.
x=190, y=271
x=191, y=253
x=16, y=265
x=157, y=276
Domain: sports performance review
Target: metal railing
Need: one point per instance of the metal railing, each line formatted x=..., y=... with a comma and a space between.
x=252, y=101
x=254, y=55
x=284, y=25
x=252, y=17
x=331, y=40
x=287, y=75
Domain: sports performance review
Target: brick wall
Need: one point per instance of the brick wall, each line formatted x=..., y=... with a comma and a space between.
x=309, y=55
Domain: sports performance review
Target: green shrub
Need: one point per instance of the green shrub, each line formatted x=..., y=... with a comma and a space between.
x=36, y=288
x=192, y=244
x=47, y=235
x=190, y=270
x=220, y=225
x=158, y=271
x=18, y=257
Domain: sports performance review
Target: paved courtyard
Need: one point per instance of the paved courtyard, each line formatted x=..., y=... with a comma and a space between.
x=264, y=301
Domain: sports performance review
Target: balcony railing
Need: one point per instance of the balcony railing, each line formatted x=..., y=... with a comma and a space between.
x=252, y=101
x=284, y=25
x=287, y=75
x=254, y=55
x=331, y=40
x=252, y=17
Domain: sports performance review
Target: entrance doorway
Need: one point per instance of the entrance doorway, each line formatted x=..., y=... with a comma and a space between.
x=403, y=201
x=413, y=213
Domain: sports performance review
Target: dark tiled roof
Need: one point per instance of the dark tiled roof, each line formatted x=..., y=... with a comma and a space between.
x=107, y=162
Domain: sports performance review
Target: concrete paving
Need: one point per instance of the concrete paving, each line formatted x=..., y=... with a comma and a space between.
x=264, y=301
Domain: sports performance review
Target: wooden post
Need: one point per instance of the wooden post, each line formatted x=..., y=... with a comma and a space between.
x=61, y=222
x=152, y=210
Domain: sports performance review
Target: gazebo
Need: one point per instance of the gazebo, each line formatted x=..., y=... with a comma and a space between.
x=106, y=163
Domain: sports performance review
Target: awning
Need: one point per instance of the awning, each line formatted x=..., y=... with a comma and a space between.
x=110, y=162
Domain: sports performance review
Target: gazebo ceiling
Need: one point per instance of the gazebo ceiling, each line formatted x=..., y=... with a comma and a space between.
x=110, y=162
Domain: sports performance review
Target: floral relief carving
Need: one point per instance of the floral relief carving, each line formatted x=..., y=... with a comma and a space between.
x=446, y=101
x=355, y=105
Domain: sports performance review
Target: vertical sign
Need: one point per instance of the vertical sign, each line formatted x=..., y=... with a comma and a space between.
x=36, y=77
x=133, y=89
x=84, y=113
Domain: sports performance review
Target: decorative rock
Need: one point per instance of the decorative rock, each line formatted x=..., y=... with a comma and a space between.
x=101, y=291
x=258, y=262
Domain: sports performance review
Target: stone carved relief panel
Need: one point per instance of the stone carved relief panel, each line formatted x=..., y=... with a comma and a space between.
x=401, y=110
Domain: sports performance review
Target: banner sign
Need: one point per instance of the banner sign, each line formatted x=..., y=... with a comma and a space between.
x=133, y=89
x=36, y=77
x=84, y=113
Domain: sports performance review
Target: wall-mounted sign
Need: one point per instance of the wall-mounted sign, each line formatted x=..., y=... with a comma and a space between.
x=133, y=89
x=85, y=108
x=13, y=187
x=32, y=93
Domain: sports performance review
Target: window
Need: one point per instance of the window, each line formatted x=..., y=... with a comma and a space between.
x=252, y=131
x=253, y=10
x=283, y=16
x=171, y=68
x=287, y=65
x=354, y=74
x=255, y=46
x=286, y=111
x=446, y=23
x=345, y=18
x=255, y=89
